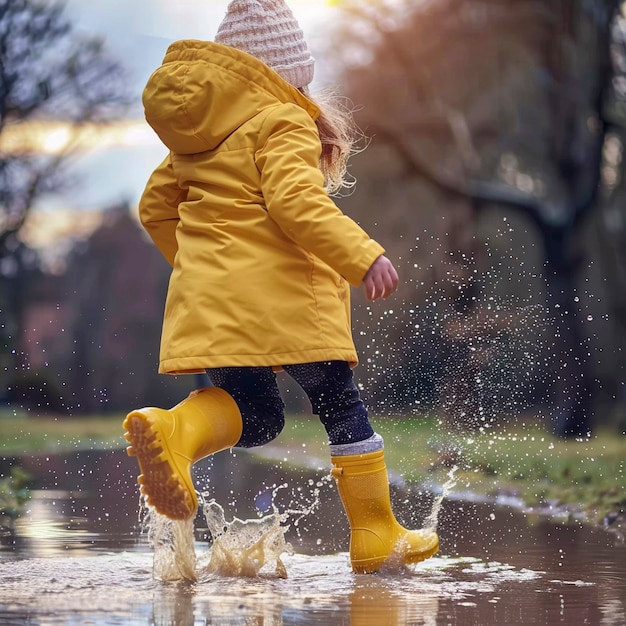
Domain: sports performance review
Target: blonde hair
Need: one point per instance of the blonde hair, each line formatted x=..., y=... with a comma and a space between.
x=339, y=135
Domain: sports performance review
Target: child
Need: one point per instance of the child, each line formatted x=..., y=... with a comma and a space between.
x=261, y=260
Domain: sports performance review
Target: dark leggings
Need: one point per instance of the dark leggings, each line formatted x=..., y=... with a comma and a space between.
x=329, y=386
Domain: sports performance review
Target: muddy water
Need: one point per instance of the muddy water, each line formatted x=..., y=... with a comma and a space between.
x=79, y=557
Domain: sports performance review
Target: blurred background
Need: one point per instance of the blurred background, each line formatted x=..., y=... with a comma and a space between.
x=493, y=175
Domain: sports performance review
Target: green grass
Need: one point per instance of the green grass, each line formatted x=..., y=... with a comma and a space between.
x=518, y=459
x=543, y=469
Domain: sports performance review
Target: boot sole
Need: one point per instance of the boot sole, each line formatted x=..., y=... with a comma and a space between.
x=160, y=480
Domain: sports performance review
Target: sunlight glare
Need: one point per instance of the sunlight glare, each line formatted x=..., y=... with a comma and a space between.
x=56, y=140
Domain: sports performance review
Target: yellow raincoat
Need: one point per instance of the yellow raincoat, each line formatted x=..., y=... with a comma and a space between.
x=261, y=256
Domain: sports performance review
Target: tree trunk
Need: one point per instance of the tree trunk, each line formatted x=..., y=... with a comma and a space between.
x=572, y=406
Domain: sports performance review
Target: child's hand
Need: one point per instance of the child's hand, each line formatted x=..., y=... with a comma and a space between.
x=381, y=279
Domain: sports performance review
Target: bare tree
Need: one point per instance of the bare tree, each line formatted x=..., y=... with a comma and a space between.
x=48, y=73
x=498, y=103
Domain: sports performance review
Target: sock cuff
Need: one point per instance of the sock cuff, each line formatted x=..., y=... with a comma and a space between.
x=371, y=444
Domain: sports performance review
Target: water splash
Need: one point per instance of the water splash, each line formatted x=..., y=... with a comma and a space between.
x=173, y=545
x=240, y=548
x=246, y=548
x=432, y=520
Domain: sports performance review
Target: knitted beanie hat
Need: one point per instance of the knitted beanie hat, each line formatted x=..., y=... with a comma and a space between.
x=268, y=30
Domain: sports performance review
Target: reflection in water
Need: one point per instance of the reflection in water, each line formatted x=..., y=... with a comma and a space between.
x=52, y=528
x=79, y=558
x=319, y=590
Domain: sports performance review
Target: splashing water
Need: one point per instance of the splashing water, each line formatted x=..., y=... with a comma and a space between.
x=240, y=548
x=173, y=545
x=432, y=520
x=245, y=547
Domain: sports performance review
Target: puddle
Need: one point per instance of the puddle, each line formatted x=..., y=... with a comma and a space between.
x=79, y=557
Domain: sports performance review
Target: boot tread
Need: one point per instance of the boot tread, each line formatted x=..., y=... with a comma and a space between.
x=160, y=484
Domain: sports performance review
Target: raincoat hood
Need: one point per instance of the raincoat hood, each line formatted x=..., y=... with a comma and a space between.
x=203, y=92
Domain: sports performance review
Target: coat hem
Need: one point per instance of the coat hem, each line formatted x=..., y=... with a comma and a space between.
x=198, y=364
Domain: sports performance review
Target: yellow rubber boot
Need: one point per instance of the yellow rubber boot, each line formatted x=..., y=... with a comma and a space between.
x=375, y=534
x=168, y=442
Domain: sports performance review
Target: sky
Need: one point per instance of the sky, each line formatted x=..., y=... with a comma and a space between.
x=138, y=33
x=140, y=30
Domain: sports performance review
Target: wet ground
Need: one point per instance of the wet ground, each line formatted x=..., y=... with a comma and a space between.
x=79, y=557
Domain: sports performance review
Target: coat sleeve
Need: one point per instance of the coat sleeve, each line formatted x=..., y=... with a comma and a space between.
x=158, y=209
x=293, y=189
